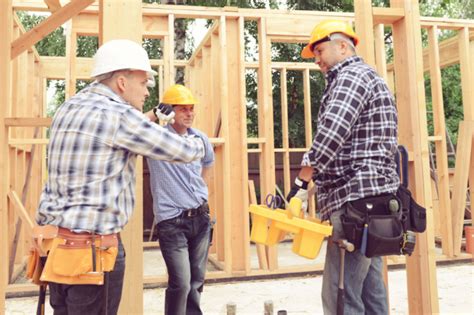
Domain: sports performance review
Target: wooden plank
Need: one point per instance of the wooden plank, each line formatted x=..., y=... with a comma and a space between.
x=364, y=27
x=461, y=175
x=53, y=5
x=387, y=15
x=265, y=125
x=47, y=26
x=227, y=28
x=6, y=22
x=261, y=255
x=410, y=96
x=380, y=55
x=445, y=214
x=285, y=131
x=27, y=122
x=55, y=67
x=114, y=12
x=467, y=76
x=71, y=51
x=21, y=211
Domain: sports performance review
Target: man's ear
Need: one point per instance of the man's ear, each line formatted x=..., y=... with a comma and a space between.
x=121, y=82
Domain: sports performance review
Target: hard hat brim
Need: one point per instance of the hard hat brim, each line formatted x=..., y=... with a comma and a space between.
x=307, y=52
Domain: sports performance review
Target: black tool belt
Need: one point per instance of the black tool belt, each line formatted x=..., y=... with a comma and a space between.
x=384, y=224
x=202, y=209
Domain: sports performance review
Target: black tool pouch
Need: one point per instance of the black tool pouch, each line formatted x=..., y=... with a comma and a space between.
x=385, y=236
x=416, y=214
x=383, y=219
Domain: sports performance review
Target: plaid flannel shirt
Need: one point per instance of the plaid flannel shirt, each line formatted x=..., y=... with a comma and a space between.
x=94, y=140
x=356, y=139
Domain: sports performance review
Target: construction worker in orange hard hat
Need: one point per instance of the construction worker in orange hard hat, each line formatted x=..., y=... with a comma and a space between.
x=352, y=158
x=181, y=210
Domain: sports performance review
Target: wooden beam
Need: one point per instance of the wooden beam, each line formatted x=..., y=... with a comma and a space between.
x=112, y=26
x=265, y=124
x=445, y=215
x=27, y=122
x=364, y=27
x=410, y=96
x=464, y=154
x=53, y=5
x=21, y=210
x=47, y=26
x=6, y=23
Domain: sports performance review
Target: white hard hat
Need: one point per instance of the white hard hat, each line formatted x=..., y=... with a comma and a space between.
x=121, y=54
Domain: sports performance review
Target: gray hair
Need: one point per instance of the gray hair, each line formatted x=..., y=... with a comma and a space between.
x=343, y=37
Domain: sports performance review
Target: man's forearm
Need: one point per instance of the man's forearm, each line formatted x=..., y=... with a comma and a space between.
x=306, y=173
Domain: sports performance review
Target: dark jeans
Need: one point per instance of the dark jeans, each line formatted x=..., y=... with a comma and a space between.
x=184, y=243
x=89, y=299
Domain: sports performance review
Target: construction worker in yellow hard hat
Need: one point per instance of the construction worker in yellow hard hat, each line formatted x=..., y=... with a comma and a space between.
x=352, y=158
x=89, y=196
x=181, y=210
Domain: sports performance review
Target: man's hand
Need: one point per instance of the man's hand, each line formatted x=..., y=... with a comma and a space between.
x=164, y=112
x=299, y=190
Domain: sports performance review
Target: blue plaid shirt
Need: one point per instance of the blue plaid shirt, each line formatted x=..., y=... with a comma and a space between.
x=356, y=139
x=94, y=141
x=178, y=186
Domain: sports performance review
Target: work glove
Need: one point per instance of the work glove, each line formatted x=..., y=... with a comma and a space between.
x=164, y=112
x=299, y=190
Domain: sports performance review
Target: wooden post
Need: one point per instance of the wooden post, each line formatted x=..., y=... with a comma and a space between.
x=442, y=173
x=113, y=14
x=6, y=22
x=364, y=27
x=265, y=124
x=410, y=95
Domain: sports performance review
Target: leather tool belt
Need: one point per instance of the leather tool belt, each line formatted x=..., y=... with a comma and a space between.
x=72, y=258
x=385, y=224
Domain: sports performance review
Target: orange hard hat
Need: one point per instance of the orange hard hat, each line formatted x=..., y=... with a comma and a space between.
x=323, y=30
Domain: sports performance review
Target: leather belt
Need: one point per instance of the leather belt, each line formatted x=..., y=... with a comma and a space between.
x=202, y=209
x=85, y=238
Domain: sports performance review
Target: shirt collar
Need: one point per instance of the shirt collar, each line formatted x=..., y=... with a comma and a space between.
x=102, y=89
x=332, y=73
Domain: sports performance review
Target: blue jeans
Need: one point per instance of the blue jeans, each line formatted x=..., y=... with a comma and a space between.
x=89, y=299
x=184, y=244
x=363, y=282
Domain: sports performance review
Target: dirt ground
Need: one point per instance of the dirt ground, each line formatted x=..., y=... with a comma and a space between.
x=301, y=295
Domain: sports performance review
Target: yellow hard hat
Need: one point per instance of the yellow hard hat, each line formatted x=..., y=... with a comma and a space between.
x=178, y=95
x=323, y=30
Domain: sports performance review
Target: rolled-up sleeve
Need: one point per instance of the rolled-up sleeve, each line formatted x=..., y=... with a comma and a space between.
x=139, y=135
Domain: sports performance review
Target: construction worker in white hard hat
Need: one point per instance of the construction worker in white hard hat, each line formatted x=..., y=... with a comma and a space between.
x=352, y=158
x=88, y=198
x=181, y=210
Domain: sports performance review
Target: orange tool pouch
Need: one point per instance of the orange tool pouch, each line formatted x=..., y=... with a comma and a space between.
x=79, y=258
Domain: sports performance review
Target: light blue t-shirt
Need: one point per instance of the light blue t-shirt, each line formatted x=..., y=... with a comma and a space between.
x=176, y=187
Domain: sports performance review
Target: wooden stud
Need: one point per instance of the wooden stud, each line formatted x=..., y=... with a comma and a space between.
x=112, y=17
x=462, y=169
x=364, y=27
x=265, y=125
x=410, y=96
x=6, y=22
x=442, y=174
x=71, y=51
x=284, y=125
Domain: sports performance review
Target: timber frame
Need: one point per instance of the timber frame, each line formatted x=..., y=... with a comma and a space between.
x=216, y=74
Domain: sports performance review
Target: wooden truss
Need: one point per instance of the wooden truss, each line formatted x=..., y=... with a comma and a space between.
x=216, y=74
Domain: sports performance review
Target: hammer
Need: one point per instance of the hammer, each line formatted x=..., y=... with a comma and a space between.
x=343, y=246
